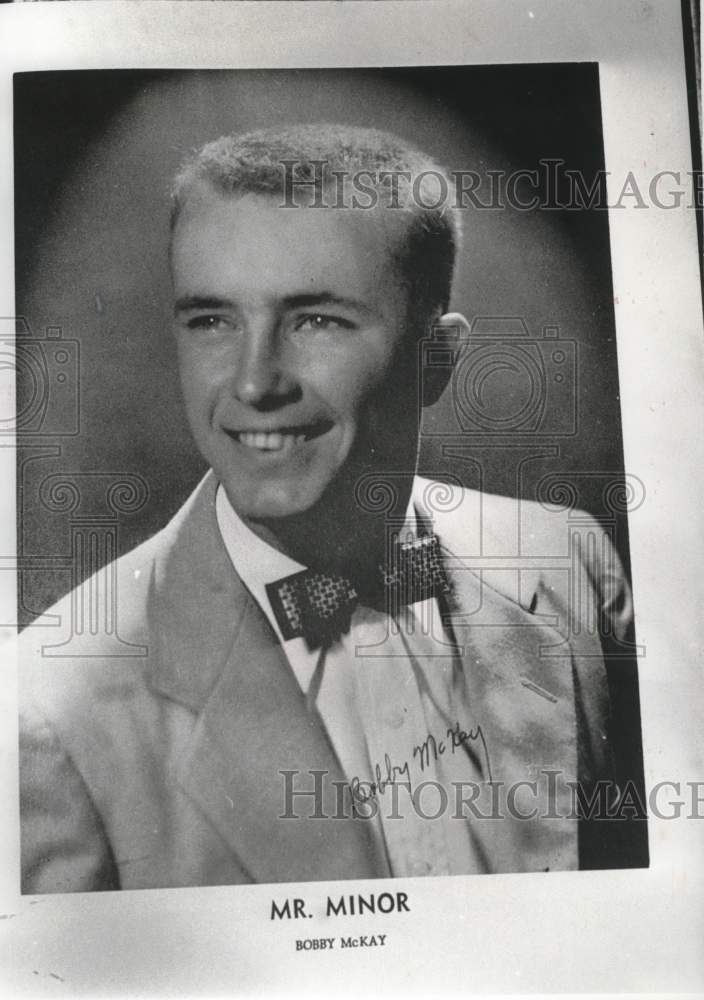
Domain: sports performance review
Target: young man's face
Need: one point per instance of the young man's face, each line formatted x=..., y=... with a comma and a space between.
x=296, y=360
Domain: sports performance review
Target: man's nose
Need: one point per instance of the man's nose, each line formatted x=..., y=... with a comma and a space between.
x=262, y=379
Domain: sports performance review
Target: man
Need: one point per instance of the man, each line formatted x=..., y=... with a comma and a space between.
x=327, y=684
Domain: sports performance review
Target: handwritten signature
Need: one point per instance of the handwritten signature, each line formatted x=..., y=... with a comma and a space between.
x=427, y=752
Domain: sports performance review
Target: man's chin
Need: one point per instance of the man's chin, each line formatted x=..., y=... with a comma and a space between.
x=274, y=503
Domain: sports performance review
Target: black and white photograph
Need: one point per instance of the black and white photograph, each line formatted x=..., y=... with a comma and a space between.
x=343, y=656
x=353, y=504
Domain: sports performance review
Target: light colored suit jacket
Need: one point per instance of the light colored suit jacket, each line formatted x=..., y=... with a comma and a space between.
x=155, y=761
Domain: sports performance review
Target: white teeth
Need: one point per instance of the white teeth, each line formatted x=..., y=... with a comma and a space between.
x=274, y=441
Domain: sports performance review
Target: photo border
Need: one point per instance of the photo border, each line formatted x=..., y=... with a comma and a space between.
x=567, y=932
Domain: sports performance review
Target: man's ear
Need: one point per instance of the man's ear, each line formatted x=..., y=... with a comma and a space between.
x=445, y=332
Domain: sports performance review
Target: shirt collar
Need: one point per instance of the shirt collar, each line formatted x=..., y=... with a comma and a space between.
x=256, y=562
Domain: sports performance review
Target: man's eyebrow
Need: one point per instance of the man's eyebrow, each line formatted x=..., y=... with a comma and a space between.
x=187, y=303
x=309, y=300
x=304, y=300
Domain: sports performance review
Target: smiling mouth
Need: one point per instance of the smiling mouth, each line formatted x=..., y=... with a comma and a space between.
x=281, y=439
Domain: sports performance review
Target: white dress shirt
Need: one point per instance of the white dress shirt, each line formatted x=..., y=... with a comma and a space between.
x=388, y=693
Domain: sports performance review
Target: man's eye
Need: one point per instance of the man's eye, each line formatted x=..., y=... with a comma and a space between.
x=319, y=321
x=206, y=322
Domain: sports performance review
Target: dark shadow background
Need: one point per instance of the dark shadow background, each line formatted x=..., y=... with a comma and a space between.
x=94, y=156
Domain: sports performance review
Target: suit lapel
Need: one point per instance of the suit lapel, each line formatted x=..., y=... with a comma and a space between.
x=216, y=652
x=254, y=729
x=525, y=705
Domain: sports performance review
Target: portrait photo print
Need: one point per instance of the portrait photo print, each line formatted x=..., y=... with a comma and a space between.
x=323, y=563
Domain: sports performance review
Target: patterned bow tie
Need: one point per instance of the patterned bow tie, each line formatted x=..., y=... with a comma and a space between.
x=319, y=606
